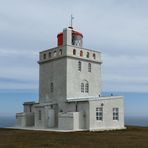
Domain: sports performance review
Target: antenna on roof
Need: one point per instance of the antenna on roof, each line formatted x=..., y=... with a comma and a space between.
x=71, y=17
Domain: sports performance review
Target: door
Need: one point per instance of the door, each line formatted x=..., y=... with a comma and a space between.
x=51, y=118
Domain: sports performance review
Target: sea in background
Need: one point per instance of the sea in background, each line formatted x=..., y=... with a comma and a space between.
x=136, y=105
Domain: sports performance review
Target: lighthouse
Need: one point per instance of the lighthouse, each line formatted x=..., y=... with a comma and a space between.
x=70, y=90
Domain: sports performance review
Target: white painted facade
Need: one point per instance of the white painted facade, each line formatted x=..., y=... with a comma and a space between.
x=70, y=91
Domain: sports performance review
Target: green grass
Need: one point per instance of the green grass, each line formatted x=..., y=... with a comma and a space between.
x=133, y=137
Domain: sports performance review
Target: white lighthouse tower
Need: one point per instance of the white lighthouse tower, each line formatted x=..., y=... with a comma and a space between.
x=70, y=90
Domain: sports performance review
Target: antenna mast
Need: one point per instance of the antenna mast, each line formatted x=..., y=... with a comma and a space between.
x=71, y=20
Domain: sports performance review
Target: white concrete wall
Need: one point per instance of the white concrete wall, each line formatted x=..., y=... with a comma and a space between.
x=24, y=119
x=69, y=52
x=55, y=72
x=67, y=36
x=28, y=108
x=78, y=121
x=40, y=123
x=82, y=107
x=65, y=121
x=76, y=77
x=108, y=105
x=45, y=117
x=71, y=121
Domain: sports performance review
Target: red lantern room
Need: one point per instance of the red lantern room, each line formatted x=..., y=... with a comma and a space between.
x=60, y=39
x=76, y=38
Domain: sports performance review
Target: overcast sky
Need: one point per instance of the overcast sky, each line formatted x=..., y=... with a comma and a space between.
x=117, y=28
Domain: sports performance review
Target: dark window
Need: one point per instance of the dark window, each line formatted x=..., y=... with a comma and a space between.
x=60, y=52
x=54, y=53
x=79, y=66
x=87, y=87
x=30, y=108
x=87, y=55
x=115, y=113
x=89, y=67
x=99, y=113
x=44, y=56
x=94, y=55
x=49, y=54
x=81, y=53
x=82, y=87
x=74, y=52
x=40, y=115
x=51, y=87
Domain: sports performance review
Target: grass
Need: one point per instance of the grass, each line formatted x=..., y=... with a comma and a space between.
x=133, y=137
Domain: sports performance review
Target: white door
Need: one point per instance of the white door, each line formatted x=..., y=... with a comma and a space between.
x=51, y=118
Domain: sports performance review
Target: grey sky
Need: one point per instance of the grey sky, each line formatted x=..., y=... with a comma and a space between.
x=117, y=28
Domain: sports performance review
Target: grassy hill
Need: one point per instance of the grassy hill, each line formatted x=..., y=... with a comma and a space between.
x=133, y=137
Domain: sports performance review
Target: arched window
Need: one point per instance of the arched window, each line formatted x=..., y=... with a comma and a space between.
x=87, y=87
x=51, y=87
x=79, y=65
x=49, y=54
x=89, y=67
x=94, y=55
x=74, y=52
x=54, y=53
x=60, y=52
x=81, y=53
x=82, y=87
x=44, y=56
x=87, y=55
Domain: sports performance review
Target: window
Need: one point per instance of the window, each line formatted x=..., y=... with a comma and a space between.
x=87, y=55
x=51, y=87
x=49, y=54
x=87, y=87
x=94, y=55
x=99, y=113
x=81, y=53
x=44, y=56
x=40, y=115
x=74, y=52
x=79, y=66
x=115, y=113
x=54, y=53
x=82, y=87
x=60, y=52
x=89, y=67
x=30, y=108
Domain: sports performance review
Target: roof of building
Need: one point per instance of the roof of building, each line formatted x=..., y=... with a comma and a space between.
x=93, y=98
x=29, y=103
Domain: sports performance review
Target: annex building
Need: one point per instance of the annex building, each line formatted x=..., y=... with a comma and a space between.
x=70, y=90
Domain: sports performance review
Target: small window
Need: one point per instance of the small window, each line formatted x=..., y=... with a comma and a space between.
x=49, y=54
x=54, y=53
x=115, y=113
x=51, y=87
x=40, y=115
x=99, y=113
x=81, y=53
x=87, y=55
x=94, y=55
x=74, y=52
x=89, y=67
x=44, y=56
x=60, y=52
x=79, y=66
x=30, y=108
x=87, y=87
x=82, y=87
